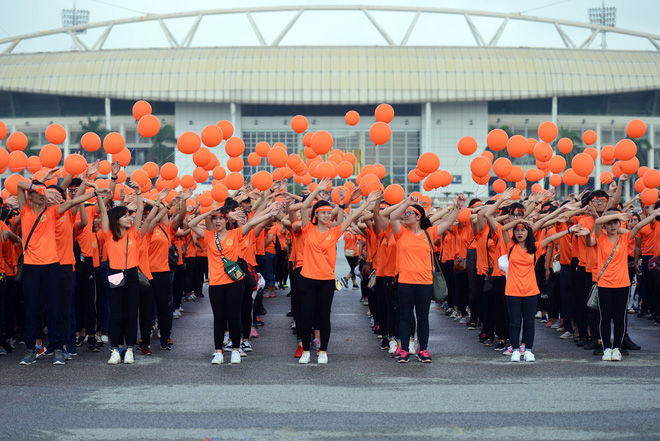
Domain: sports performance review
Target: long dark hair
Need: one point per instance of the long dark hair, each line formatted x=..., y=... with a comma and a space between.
x=424, y=222
x=530, y=242
x=316, y=206
x=114, y=215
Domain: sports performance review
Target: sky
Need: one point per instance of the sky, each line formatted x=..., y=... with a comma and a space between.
x=325, y=28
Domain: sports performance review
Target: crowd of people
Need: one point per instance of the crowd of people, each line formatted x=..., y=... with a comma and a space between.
x=83, y=269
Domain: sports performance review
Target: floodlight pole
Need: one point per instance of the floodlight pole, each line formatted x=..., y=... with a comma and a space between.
x=604, y=17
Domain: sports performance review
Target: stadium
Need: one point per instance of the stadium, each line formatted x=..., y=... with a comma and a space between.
x=440, y=93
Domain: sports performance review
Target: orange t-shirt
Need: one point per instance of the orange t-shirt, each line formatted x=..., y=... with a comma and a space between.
x=259, y=248
x=117, y=256
x=85, y=236
x=320, y=252
x=495, y=250
x=448, y=246
x=275, y=231
x=413, y=256
x=248, y=250
x=390, y=255
x=143, y=258
x=564, y=245
x=647, y=234
x=373, y=241
x=159, y=249
x=64, y=238
x=42, y=248
x=198, y=252
x=382, y=253
x=98, y=249
x=5, y=261
x=521, y=278
x=482, y=241
x=191, y=248
x=461, y=240
x=350, y=242
x=299, y=246
x=231, y=249
x=178, y=242
x=616, y=273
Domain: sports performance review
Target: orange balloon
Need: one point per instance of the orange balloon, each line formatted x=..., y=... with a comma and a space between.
x=299, y=124
x=11, y=183
x=140, y=109
x=4, y=159
x=335, y=195
x=306, y=179
x=202, y=157
x=607, y=153
x=557, y=164
x=324, y=170
x=582, y=164
x=369, y=183
x=3, y=130
x=262, y=148
x=90, y=142
x=350, y=157
x=384, y=113
x=532, y=175
x=464, y=215
x=345, y=169
x=517, y=146
x=234, y=146
x=497, y=139
x=543, y=152
x=480, y=166
x=639, y=184
x=569, y=177
x=235, y=164
x=649, y=196
x=352, y=118
x=555, y=180
x=148, y=126
x=187, y=181
x=206, y=199
x=499, y=186
x=380, y=133
x=641, y=171
x=414, y=177
x=393, y=194
x=17, y=141
x=254, y=159
x=321, y=142
x=467, y=145
x=200, y=175
x=277, y=157
x=168, y=171
x=630, y=166
x=293, y=161
x=429, y=162
x=235, y=181
x=307, y=139
x=502, y=167
x=262, y=180
x=124, y=157
x=548, y=131
x=488, y=155
x=591, y=152
x=188, y=143
x=151, y=168
x=219, y=173
x=226, y=127
x=113, y=143
x=616, y=169
x=140, y=176
x=434, y=180
x=381, y=172
x=517, y=174
x=55, y=134
x=369, y=169
x=652, y=178
x=309, y=153
x=521, y=185
x=219, y=192
x=589, y=137
x=531, y=143
x=565, y=145
x=635, y=129
x=75, y=164
x=212, y=135
x=33, y=164
x=49, y=156
x=447, y=178
x=625, y=150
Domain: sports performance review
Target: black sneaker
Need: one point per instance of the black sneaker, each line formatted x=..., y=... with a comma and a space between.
x=593, y=344
x=629, y=344
x=262, y=311
x=344, y=281
x=624, y=351
x=471, y=326
x=500, y=346
x=384, y=344
x=581, y=342
x=79, y=340
x=91, y=345
x=424, y=356
x=289, y=314
x=598, y=351
x=404, y=357
x=488, y=342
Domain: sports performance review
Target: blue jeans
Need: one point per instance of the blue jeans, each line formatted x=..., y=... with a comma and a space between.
x=417, y=297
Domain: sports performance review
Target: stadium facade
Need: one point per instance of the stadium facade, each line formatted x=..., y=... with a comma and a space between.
x=439, y=94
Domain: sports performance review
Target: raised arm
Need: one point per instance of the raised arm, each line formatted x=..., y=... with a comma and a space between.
x=323, y=185
x=373, y=196
x=398, y=212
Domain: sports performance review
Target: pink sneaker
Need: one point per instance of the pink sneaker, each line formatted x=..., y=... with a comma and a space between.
x=508, y=351
x=549, y=323
x=397, y=353
x=254, y=333
x=522, y=348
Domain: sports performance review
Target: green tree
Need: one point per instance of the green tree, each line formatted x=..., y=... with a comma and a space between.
x=162, y=145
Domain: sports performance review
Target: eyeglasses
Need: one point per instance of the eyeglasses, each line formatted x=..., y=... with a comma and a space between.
x=409, y=213
x=600, y=199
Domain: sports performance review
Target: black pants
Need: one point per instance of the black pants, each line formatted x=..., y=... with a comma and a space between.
x=43, y=282
x=593, y=318
x=488, y=309
x=68, y=322
x=580, y=313
x=567, y=284
x=381, y=303
x=418, y=298
x=3, y=295
x=226, y=305
x=189, y=276
x=501, y=309
x=124, y=310
x=177, y=286
x=281, y=266
x=646, y=287
x=314, y=301
x=146, y=314
x=293, y=283
x=85, y=296
x=352, y=263
x=392, y=300
x=161, y=289
x=521, y=308
x=246, y=309
x=474, y=286
x=201, y=269
x=14, y=308
x=448, y=272
x=613, y=306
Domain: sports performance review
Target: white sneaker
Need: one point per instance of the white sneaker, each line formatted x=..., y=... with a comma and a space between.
x=104, y=339
x=115, y=358
x=176, y=314
x=515, y=357
x=246, y=346
x=235, y=357
x=241, y=352
x=607, y=354
x=304, y=359
x=225, y=339
x=412, y=345
x=566, y=336
x=393, y=346
x=529, y=356
x=453, y=315
x=323, y=357
x=616, y=354
x=180, y=309
x=218, y=358
x=128, y=357
x=538, y=315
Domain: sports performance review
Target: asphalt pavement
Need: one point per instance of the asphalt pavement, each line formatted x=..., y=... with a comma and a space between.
x=469, y=392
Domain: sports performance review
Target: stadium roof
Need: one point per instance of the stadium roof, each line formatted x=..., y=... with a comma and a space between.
x=331, y=75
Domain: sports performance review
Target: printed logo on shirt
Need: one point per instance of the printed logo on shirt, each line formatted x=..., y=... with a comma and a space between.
x=157, y=233
x=43, y=218
x=94, y=244
x=328, y=237
x=63, y=218
x=229, y=242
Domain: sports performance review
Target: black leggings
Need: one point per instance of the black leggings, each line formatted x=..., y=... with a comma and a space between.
x=246, y=309
x=189, y=276
x=177, y=286
x=418, y=298
x=201, y=269
x=146, y=314
x=381, y=305
x=525, y=308
x=613, y=306
x=85, y=296
x=226, y=305
x=314, y=301
x=161, y=290
x=501, y=310
x=352, y=263
x=123, y=310
x=391, y=297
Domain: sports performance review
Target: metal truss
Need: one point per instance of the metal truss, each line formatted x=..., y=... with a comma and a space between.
x=108, y=26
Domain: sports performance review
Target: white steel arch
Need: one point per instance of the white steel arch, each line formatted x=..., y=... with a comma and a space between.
x=108, y=26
